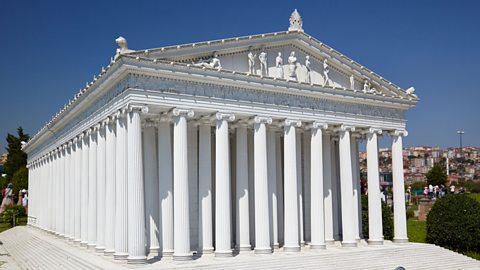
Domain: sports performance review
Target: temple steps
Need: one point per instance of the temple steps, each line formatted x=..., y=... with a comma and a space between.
x=35, y=249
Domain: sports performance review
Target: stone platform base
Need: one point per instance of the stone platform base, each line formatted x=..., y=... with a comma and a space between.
x=32, y=248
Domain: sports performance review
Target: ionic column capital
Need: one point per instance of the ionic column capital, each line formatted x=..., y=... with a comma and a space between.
x=149, y=123
x=372, y=130
x=292, y=122
x=344, y=128
x=137, y=108
x=121, y=113
x=262, y=120
x=399, y=132
x=225, y=116
x=182, y=112
x=316, y=125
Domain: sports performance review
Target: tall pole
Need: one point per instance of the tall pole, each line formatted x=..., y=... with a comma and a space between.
x=460, y=133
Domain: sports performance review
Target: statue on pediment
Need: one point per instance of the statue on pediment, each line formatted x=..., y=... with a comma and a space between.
x=366, y=86
x=352, y=82
x=296, y=23
x=263, y=63
x=292, y=66
x=213, y=62
x=122, y=46
x=251, y=62
x=326, y=70
x=279, y=65
x=307, y=66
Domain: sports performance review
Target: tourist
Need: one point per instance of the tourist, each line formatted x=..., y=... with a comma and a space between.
x=7, y=197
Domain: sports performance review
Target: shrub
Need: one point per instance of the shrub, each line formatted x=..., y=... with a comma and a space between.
x=454, y=223
x=387, y=219
x=410, y=214
x=11, y=211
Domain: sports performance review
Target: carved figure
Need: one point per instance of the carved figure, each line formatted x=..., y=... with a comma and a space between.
x=352, y=82
x=366, y=86
x=213, y=62
x=295, y=21
x=307, y=65
x=279, y=65
x=122, y=46
x=292, y=66
x=326, y=70
x=251, y=63
x=263, y=63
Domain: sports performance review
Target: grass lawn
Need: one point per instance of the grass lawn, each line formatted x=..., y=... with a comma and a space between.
x=417, y=230
x=476, y=196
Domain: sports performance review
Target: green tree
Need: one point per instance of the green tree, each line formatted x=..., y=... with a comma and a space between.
x=20, y=181
x=16, y=158
x=436, y=176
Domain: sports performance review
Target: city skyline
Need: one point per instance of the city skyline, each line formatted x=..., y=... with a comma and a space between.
x=54, y=50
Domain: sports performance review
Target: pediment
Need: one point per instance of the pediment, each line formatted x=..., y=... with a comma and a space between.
x=325, y=66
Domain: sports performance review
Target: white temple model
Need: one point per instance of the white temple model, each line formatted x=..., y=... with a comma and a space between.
x=202, y=148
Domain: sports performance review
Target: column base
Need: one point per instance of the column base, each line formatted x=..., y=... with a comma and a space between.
x=318, y=246
x=223, y=254
x=91, y=246
x=76, y=242
x=330, y=242
x=120, y=256
x=243, y=248
x=108, y=252
x=166, y=253
x=291, y=249
x=182, y=257
x=154, y=252
x=400, y=240
x=99, y=249
x=375, y=242
x=83, y=244
x=302, y=243
x=276, y=246
x=208, y=250
x=263, y=250
x=137, y=260
x=349, y=244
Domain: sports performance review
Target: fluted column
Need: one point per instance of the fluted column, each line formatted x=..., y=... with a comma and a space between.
x=66, y=191
x=262, y=222
x=165, y=176
x=222, y=180
x=121, y=194
x=84, y=190
x=356, y=186
x=55, y=199
x=61, y=192
x=399, y=211
x=346, y=187
x=77, y=188
x=151, y=188
x=272, y=187
x=316, y=186
x=92, y=189
x=327, y=188
x=136, y=195
x=205, y=211
x=71, y=191
x=101, y=187
x=279, y=184
x=242, y=191
x=110, y=172
x=292, y=242
x=298, y=150
x=375, y=228
x=180, y=186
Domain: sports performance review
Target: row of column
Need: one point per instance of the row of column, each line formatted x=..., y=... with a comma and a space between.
x=110, y=190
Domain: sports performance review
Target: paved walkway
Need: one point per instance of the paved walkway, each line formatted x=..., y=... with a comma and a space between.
x=35, y=249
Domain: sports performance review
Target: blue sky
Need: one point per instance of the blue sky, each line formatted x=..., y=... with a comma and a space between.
x=49, y=49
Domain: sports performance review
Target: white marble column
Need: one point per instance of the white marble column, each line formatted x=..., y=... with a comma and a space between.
x=53, y=195
x=272, y=187
x=101, y=187
x=165, y=175
x=121, y=186
x=399, y=211
x=292, y=242
x=222, y=181
x=61, y=192
x=316, y=186
x=192, y=144
x=242, y=238
x=66, y=191
x=180, y=186
x=92, y=189
x=77, y=188
x=71, y=191
x=84, y=190
x=298, y=149
x=356, y=186
x=375, y=228
x=279, y=185
x=262, y=222
x=346, y=187
x=205, y=214
x=151, y=188
x=306, y=156
x=110, y=172
x=327, y=188
x=136, y=196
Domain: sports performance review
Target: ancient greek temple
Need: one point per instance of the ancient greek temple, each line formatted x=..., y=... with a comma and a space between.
x=224, y=146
